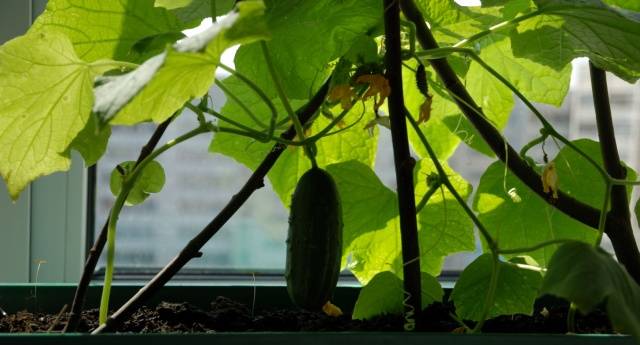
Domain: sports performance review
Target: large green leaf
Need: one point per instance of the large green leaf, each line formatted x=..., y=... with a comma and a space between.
x=193, y=11
x=306, y=37
x=632, y=5
x=524, y=222
x=516, y=290
x=452, y=23
x=161, y=85
x=445, y=228
x=588, y=276
x=150, y=180
x=532, y=220
x=575, y=173
x=493, y=97
x=385, y=294
x=537, y=82
x=46, y=101
x=510, y=8
x=568, y=29
x=371, y=238
x=106, y=29
x=371, y=241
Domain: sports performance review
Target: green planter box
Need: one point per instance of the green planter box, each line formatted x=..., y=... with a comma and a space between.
x=50, y=297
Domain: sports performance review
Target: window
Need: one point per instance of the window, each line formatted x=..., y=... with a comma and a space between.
x=55, y=211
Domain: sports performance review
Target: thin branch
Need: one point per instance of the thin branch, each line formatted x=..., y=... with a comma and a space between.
x=582, y=212
x=192, y=249
x=98, y=246
x=404, y=163
x=622, y=237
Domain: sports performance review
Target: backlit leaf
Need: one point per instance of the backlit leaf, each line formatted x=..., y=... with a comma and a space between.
x=588, y=276
x=567, y=29
x=46, y=101
x=516, y=290
x=533, y=220
x=193, y=11
x=385, y=294
x=161, y=85
x=371, y=234
x=106, y=29
x=306, y=37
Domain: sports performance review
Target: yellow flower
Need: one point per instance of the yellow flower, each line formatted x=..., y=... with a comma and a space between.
x=378, y=86
x=550, y=179
x=342, y=93
x=331, y=309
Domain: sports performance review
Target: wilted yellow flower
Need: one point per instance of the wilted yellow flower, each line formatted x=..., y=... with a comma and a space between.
x=331, y=309
x=378, y=86
x=425, y=110
x=550, y=179
x=342, y=93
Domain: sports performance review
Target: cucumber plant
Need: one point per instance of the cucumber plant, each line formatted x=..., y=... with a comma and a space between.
x=313, y=84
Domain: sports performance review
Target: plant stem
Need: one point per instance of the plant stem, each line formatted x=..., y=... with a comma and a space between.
x=192, y=249
x=98, y=246
x=621, y=235
x=534, y=247
x=531, y=144
x=263, y=138
x=228, y=120
x=127, y=185
x=258, y=91
x=582, y=212
x=240, y=103
x=425, y=198
x=297, y=125
x=404, y=163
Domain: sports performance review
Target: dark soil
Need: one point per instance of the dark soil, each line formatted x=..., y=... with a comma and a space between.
x=226, y=315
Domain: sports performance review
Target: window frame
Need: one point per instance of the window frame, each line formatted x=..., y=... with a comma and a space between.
x=45, y=231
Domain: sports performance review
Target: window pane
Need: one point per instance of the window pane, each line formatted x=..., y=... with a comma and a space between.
x=199, y=184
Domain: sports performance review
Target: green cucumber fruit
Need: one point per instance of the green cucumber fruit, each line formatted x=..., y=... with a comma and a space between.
x=314, y=244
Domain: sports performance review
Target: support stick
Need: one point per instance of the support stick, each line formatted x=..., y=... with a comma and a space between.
x=622, y=238
x=404, y=163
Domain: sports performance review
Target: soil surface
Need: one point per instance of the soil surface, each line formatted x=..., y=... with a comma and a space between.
x=225, y=315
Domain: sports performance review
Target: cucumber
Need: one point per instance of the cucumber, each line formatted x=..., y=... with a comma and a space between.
x=314, y=243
